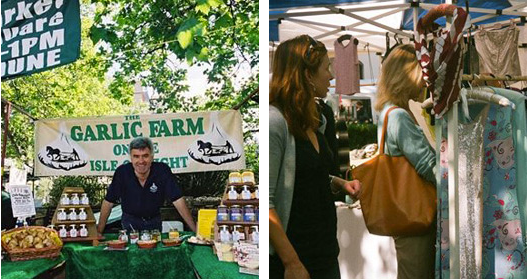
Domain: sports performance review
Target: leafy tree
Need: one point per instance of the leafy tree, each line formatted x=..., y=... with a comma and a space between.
x=74, y=90
x=151, y=39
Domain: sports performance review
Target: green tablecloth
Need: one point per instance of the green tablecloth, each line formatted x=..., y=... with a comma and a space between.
x=84, y=261
x=208, y=266
x=28, y=269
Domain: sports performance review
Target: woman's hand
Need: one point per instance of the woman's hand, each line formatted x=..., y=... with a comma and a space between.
x=296, y=271
x=352, y=188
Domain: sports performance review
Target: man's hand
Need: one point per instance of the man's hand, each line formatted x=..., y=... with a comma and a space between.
x=296, y=271
x=352, y=188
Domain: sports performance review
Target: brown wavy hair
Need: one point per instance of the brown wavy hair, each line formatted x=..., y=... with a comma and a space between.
x=291, y=91
x=401, y=78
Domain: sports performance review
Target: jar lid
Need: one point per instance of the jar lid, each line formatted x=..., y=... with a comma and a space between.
x=249, y=206
x=235, y=206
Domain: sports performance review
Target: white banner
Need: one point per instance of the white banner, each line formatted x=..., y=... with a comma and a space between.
x=187, y=142
x=22, y=201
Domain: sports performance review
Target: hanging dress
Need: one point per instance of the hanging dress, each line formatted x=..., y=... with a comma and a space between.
x=346, y=65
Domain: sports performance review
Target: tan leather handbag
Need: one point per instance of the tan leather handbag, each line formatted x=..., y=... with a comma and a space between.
x=395, y=200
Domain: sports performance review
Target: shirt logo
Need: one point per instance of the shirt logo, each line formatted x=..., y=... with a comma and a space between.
x=153, y=188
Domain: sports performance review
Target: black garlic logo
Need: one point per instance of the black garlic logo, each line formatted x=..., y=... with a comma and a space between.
x=215, y=147
x=63, y=153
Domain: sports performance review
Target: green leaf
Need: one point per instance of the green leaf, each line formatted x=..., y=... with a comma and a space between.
x=214, y=3
x=223, y=21
x=203, y=54
x=97, y=34
x=203, y=7
x=185, y=32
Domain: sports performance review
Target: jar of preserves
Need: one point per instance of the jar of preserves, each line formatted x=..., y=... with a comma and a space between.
x=123, y=236
x=238, y=233
x=145, y=235
x=254, y=235
x=249, y=214
x=236, y=213
x=246, y=194
x=156, y=235
x=174, y=233
x=248, y=178
x=223, y=213
x=235, y=178
x=225, y=235
x=134, y=237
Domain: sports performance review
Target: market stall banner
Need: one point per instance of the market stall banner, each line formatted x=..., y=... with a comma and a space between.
x=187, y=142
x=38, y=35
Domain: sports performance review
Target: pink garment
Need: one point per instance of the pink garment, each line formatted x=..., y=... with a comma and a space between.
x=346, y=65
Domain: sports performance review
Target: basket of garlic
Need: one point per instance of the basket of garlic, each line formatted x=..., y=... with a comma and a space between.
x=33, y=242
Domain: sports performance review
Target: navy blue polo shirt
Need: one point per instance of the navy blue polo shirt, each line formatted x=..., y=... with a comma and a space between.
x=143, y=201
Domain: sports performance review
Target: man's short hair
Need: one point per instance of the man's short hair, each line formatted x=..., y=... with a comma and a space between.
x=141, y=143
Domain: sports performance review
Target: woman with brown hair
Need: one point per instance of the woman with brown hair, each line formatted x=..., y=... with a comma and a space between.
x=302, y=215
x=401, y=81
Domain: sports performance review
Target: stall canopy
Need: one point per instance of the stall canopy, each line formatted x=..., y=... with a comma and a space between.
x=326, y=20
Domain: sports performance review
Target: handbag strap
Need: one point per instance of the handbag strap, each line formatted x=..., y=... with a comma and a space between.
x=384, y=129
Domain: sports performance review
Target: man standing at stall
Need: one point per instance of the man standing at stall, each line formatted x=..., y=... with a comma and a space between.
x=142, y=186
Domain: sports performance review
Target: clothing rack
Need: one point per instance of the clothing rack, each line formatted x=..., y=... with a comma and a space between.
x=494, y=78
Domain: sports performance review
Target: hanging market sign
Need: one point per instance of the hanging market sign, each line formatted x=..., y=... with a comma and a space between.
x=187, y=142
x=38, y=35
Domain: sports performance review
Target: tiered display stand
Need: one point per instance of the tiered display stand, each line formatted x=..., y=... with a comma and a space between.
x=90, y=222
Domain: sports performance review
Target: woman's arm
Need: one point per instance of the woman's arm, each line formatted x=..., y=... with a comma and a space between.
x=277, y=236
x=292, y=264
x=351, y=188
x=413, y=144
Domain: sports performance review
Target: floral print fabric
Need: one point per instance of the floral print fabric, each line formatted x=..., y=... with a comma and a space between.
x=503, y=251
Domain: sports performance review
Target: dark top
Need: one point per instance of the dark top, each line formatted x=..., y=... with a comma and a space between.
x=312, y=227
x=330, y=135
x=143, y=201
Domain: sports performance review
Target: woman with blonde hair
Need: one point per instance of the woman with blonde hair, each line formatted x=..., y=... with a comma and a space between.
x=401, y=81
x=302, y=215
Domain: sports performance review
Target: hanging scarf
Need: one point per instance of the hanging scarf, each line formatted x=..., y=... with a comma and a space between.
x=442, y=66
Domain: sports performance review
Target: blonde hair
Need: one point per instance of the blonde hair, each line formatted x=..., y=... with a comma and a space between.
x=401, y=78
x=290, y=89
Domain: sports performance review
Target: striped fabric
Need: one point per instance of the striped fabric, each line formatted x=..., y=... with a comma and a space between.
x=442, y=65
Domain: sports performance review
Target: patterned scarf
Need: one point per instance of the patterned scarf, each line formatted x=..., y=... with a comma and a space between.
x=443, y=65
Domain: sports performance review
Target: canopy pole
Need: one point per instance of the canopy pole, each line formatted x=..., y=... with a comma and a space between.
x=7, y=115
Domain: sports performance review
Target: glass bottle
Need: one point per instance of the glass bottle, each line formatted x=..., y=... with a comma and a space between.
x=63, y=232
x=232, y=194
x=83, y=231
x=61, y=216
x=73, y=214
x=255, y=235
x=75, y=199
x=246, y=194
x=65, y=200
x=82, y=215
x=225, y=235
x=84, y=199
x=73, y=231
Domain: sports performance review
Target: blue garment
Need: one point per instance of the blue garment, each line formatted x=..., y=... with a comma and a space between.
x=503, y=248
x=504, y=252
x=143, y=202
x=519, y=137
